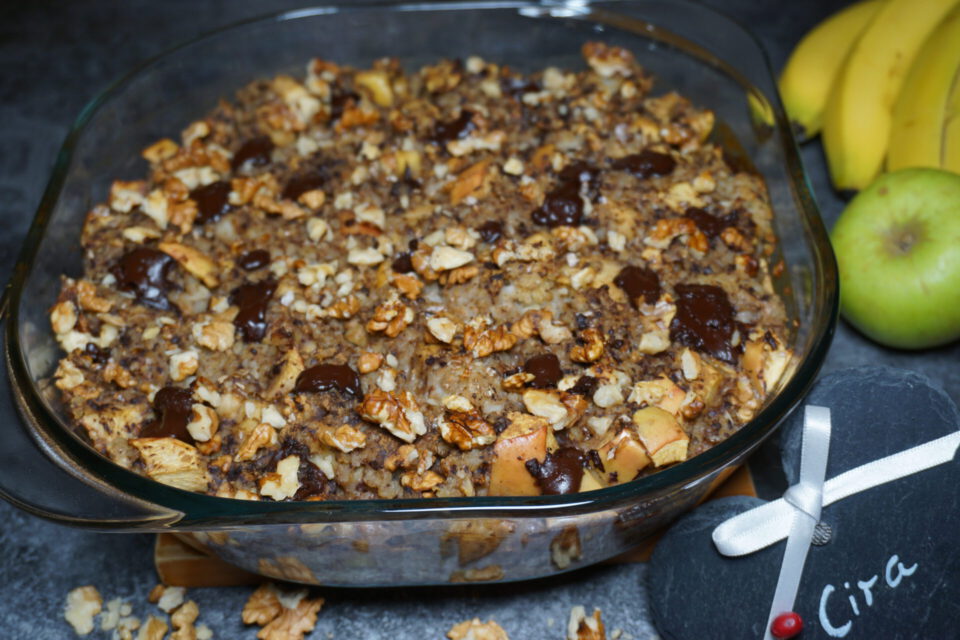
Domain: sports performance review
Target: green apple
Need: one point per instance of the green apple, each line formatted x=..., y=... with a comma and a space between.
x=898, y=248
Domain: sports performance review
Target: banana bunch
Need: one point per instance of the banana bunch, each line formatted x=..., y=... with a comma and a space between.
x=881, y=80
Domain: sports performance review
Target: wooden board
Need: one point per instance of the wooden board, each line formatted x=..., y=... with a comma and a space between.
x=179, y=564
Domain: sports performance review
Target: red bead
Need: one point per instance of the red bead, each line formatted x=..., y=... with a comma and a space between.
x=786, y=625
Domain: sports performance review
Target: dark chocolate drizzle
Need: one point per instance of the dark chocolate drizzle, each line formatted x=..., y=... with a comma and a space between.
x=144, y=272
x=253, y=299
x=329, y=377
x=704, y=320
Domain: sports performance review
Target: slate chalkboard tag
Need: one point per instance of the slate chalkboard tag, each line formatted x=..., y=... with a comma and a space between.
x=887, y=564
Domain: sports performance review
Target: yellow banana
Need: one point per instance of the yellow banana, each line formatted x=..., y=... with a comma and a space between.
x=857, y=120
x=950, y=156
x=917, y=136
x=815, y=62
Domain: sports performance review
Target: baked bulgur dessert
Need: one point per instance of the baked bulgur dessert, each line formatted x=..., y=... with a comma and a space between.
x=458, y=281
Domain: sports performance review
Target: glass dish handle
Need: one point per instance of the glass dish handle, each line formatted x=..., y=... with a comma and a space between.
x=35, y=476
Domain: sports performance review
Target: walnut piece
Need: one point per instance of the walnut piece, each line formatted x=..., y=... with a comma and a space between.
x=398, y=413
x=293, y=622
x=83, y=603
x=263, y=435
x=369, y=361
x=467, y=430
x=344, y=438
x=203, y=423
x=290, y=368
x=589, y=347
x=195, y=262
x=583, y=627
x=559, y=408
x=442, y=328
x=183, y=364
x=481, y=341
x=262, y=606
x=216, y=335
x=425, y=481
x=153, y=629
x=284, y=483
x=63, y=317
x=391, y=318
x=476, y=630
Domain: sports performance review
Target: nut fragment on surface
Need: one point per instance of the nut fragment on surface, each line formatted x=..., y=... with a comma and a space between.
x=442, y=328
x=203, y=423
x=283, y=616
x=193, y=261
x=183, y=365
x=282, y=484
x=481, y=341
x=262, y=606
x=83, y=603
x=153, y=629
x=398, y=413
x=589, y=347
x=467, y=430
x=344, y=438
x=391, y=318
x=476, y=630
x=583, y=627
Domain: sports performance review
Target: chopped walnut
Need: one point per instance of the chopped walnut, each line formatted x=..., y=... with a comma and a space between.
x=540, y=322
x=203, y=423
x=589, y=347
x=262, y=606
x=263, y=435
x=405, y=458
x=183, y=364
x=284, y=483
x=442, y=328
x=83, y=603
x=343, y=309
x=63, y=317
x=290, y=368
x=398, y=413
x=583, y=627
x=473, y=182
x=216, y=335
x=344, y=438
x=293, y=622
x=160, y=150
x=410, y=286
x=193, y=261
x=559, y=408
x=391, y=317
x=377, y=84
x=445, y=258
x=459, y=275
x=153, y=629
x=466, y=428
x=426, y=481
x=89, y=300
x=517, y=381
x=68, y=376
x=565, y=547
x=476, y=630
x=482, y=341
x=369, y=361
x=126, y=196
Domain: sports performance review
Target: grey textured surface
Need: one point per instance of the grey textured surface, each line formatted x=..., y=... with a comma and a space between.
x=54, y=57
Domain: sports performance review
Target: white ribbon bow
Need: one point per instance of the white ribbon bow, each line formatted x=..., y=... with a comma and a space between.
x=795, y=515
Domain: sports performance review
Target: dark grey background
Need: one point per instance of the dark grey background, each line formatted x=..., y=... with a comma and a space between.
x=54, y=57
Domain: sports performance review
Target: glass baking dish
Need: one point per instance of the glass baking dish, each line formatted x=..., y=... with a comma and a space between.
x=50, y=471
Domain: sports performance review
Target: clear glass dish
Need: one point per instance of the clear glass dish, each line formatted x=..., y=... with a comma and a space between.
x=47, y=469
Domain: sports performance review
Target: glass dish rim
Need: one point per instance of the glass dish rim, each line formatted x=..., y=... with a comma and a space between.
x=195, y=507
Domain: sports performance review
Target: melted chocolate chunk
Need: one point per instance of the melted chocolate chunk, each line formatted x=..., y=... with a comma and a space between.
x=704, y=320
x=455, y=129
x=563, y=204
x=253, y=153
x=559, y=473
x=490, y=231
x=585, y=386
x=709, y=224
x=340, y=100
x=253, y=260
x=402, y=263
x=312, y=481
x=212, y=201
x=300, y=184
x=545, y=369
x=144, y=272
x=174, y=407
x=329, y=377
x=252, y=298
x=639, y=282
x=645, y=164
